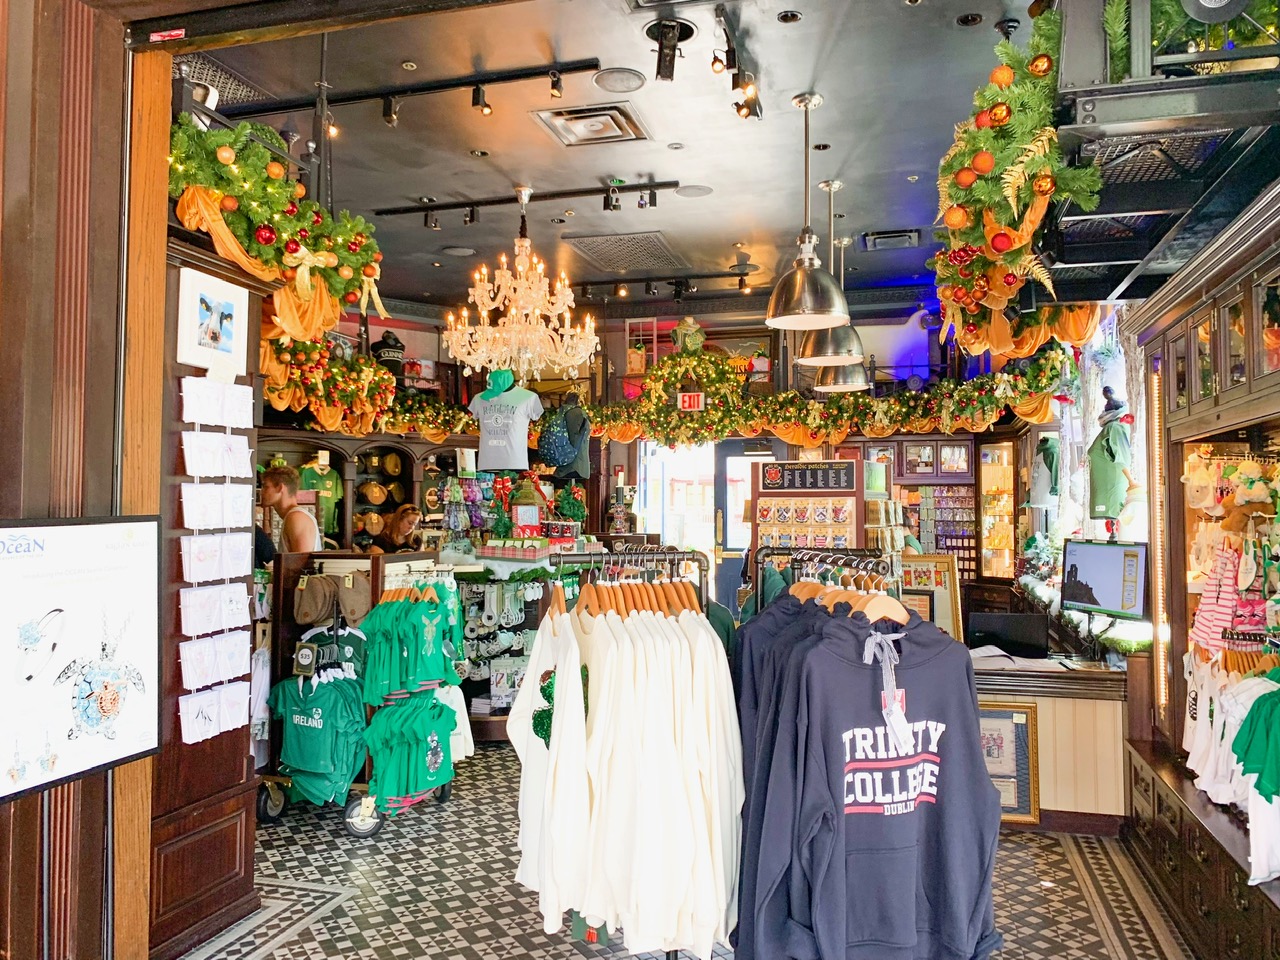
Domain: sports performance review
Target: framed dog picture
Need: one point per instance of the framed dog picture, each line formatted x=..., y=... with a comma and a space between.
x=213, y=324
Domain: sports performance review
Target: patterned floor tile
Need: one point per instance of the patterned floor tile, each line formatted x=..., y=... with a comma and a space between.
x=436, y=883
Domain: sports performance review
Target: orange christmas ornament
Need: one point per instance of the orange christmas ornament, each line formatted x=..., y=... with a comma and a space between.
x=1040, y=65
x=370, y=270
x=1044, y=185
x=229, y=203
x=1002, y=76
x=965, y=177
x=983, y=162
x=226, y=155
x=1000, y=113
x=944, y=292
x=275, y=170
x=299, y=191
x=956, y=218
x=345, y=272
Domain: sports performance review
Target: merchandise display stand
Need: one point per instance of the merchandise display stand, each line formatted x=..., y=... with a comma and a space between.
x=871, y=562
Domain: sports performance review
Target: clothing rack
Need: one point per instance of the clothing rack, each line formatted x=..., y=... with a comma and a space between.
x=643, y=554
x=877, y=563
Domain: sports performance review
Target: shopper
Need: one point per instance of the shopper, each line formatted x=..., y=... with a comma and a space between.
x=300, y=532
x=395, y=536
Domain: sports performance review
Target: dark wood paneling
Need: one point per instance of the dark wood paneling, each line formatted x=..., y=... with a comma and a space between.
x=202, y=871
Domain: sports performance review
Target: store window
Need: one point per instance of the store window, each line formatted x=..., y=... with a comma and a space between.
x=1179, y=396
x=1268, y=306
x=676, y=495
x=1233, y=320
x=1207, y=377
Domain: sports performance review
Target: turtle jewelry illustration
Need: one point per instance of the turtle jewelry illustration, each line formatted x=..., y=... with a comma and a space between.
x=47, y=760
x=18, y=771
x=101, y=688
x=37, y=643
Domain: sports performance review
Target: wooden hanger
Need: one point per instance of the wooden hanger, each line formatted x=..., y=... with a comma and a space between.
x=588, y=598
x=558, y=604
x=691, y=596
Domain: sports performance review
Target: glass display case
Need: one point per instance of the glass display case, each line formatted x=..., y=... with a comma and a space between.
x=996, y=499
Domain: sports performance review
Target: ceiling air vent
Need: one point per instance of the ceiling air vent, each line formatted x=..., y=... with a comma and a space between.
x=595, y=123
x=891, y=240
x=624, y=252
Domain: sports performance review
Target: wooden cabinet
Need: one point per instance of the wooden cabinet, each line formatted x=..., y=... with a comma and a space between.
x=1196, y=858
x=1264, y=325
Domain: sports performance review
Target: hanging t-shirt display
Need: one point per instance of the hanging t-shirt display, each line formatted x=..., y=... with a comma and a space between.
x=504, y=428
x=1044, y=473
x=324, y=480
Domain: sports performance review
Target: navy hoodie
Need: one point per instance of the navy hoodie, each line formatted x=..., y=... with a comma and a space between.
x=868, y=852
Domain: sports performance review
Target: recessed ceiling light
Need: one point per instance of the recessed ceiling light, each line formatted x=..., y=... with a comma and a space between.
x=568, y=213
x=969, y=19
x=618, y=80
x=675, y=145
x=458, y=251
x=822, y=146
x=436, y=263
x=912, y=179
x=850, y=269
x=911, y=3
x=693, y=191
x=426, y=199
x=479, y=154
x=408, y=65
x=738, y=244
x=557, y=219
x=790, y=16
x=839, y=216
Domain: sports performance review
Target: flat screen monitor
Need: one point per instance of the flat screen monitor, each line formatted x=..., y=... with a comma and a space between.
x=1017, y=634
x=1105, y=577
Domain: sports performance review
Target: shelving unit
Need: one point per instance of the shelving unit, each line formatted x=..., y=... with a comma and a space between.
x=995, y=497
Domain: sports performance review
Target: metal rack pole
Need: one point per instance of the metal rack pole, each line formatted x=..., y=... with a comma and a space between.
x=804, y=555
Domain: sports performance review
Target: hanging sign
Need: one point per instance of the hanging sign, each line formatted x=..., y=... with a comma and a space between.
x=693, y=402
x=806, y=475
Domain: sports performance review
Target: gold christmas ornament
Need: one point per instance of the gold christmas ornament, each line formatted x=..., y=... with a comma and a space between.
x=1000, y=113
x=1040, y=65
x=1044, y=185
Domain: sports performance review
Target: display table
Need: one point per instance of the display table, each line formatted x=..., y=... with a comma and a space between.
x=1080, y=732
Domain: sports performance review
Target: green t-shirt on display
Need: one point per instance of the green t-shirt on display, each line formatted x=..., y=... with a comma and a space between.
x=328, y=486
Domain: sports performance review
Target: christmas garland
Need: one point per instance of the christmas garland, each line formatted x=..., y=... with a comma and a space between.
x=947, y=406
x=428, y=415
x=995, y=185
x=347, y=395
x=1174, y=30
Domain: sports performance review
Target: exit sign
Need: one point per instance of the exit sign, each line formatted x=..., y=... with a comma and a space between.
x=692, y=402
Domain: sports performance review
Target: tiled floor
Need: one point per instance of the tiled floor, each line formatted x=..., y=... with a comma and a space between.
x=436, y=883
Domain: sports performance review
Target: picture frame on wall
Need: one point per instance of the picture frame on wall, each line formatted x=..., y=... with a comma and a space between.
x=919, y=601
x=214, y=326
x=919, y=459
x=1010, y=751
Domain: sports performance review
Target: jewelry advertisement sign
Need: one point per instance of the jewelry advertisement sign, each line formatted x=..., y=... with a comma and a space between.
x=80, y=678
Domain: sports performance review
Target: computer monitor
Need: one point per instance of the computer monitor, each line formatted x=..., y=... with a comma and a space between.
x=1105, y=577
x=1017, y=634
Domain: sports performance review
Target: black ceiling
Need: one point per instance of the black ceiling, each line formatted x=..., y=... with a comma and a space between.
x=896, y=77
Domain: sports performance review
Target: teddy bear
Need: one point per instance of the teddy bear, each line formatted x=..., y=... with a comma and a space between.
x=1250, y=499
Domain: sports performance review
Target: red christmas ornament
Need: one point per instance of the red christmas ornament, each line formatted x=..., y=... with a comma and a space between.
x=317, y=218
x=291, y=209
x=1010, y=279
x=353, y=247
x=352, y=297
x=982, y=120
x=965, y=272
x=292, y=246
x=970, y=328
x=1001, y=242
x=265, y=234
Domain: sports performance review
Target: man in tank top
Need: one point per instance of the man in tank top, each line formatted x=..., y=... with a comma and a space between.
x=299, y=533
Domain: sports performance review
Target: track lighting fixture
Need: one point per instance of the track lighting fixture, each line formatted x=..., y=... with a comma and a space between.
x=390, y=111
x=743, y=110
x=433, y=222
x=653, y=199
x=743, y=288
x=642, y=201
x=331, y=127
x=620, y=290
x=612, y=201
x=746, y=82
x=557, y=85
x=471, y=216
x=651, y=288
x=478, y=101
x=717, y=63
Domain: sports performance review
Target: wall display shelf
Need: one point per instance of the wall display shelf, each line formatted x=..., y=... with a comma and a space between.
x=996, y=496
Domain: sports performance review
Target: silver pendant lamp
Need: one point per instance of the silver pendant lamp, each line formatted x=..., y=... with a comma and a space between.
x=849, y=378
x=807, y=297
x=831, y=346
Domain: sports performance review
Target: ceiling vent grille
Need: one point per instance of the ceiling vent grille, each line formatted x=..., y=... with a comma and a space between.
x=891, y=240
x=232, y=88
x=626, y=252
x=593, y=123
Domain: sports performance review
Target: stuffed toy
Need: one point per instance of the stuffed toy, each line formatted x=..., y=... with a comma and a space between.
x=1250, y=499
x=1201, y=479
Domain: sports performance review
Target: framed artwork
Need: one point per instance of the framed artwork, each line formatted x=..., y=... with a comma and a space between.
x=920, y=601
x=937, y=575
x=880, y=453
x=213, y=324
x=1010, y=751
x=953, y=459
x=918, y=459
x=80, y=685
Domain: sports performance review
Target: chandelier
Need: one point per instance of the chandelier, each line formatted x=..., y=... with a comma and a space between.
x=521, y=324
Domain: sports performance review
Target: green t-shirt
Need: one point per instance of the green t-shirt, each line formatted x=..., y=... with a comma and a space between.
x=1109, y=457
x=328, y=487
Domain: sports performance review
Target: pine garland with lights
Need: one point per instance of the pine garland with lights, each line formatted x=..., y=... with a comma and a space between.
x=359, y=389
x=267, y=212
x=995, y=184
x=426, y=413
x=947, y=405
